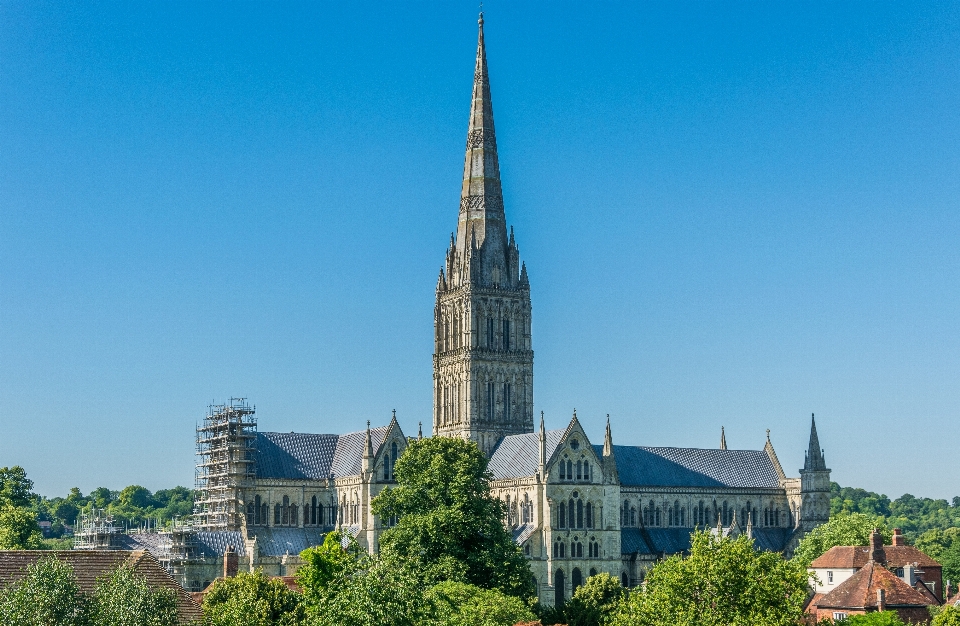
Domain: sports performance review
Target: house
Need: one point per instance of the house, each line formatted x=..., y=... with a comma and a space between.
x=91, y=565
x=910, y=564
x=874, y=587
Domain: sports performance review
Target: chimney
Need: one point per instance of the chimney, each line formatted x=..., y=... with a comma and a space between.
x=881, y=600
x=908, y=573
x=877, y=555
x=231, y=562
x=898, y=539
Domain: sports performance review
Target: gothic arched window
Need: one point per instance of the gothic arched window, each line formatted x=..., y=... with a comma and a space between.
x=579, y=470
x=285, y=511
x=589, y=515
x=579, y=513
x=633, y=516
x=562, y=516
x=276, y=514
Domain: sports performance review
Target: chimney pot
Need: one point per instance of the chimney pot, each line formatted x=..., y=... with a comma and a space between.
x=876, y=547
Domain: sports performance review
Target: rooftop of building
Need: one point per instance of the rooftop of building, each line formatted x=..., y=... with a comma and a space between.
x=859, y=592
x=90, y=565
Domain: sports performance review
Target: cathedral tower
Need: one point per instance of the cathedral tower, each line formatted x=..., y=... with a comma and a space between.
x=483, y=357
x=814, y=484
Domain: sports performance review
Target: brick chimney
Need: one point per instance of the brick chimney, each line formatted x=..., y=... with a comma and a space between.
x=881, y=600
x=231, y=562
x=877, y=554
x=898, y=538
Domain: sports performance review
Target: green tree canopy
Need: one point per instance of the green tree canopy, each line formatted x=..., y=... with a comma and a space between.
x=595, y=602
x=842, y=530
x=460, y=604
x=122, y=598
x=884, y=618
x=325, y=563
x=19, y=529
x=47, y=596
x=252, y=600
x=450, y=527
x=944, y=547
x=724, y=582
x=947, y=616
x=15, y=488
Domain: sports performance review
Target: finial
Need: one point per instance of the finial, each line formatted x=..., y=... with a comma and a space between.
x=768, y=434
x=368, y=424
x=420, y=430
x=395, y=415
x=608, y=419
x=574, y=412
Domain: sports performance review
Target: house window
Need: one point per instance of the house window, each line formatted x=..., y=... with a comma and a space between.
x=839, y=616
x=829, y=578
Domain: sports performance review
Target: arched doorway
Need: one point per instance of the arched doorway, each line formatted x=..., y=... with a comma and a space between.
x=558, y=599
x=576, y=579
x=623, y=580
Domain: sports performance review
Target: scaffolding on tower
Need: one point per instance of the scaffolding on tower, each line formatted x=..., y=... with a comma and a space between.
x=225, y=447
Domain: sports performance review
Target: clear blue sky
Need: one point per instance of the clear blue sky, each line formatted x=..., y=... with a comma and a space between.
x=732, y=214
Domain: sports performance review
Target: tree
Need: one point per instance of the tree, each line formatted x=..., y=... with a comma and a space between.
x=947, y=616
x=47, y=596
x=944, y=547
x=724, y=582
x=372, y=593
x=15, y=488
x=460, y=604
x=595, y=602
x=324, y=563
x=252, y=600
x=842, y=530
x=122, y=598
x=19, y=529
x=450, y=527
x=884, y=618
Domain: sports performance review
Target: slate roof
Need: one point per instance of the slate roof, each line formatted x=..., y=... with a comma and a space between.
x=850, y=557
x=631, y=541
x=693, y=467
x=209, y=543
x=517, y=456
x=522, y=533
x=280, y=541
x=771, y=539
x=89, y=565
x=860, y=591
x=309, y=456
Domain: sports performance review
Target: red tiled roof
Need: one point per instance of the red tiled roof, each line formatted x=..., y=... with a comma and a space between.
x=89, y=565
x=923, y=589
x=955, y=600
x=860, y=591
x=850, y=557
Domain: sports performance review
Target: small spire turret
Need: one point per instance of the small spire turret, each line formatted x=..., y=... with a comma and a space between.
x=723, y=439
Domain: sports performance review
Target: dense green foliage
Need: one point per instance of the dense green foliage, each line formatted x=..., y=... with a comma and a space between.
x=913, y=515
x=724, y=582
x=47, y=596
x=450, y=527
x=944, y=547
x=594, y=602
x=252, y=600
x=884, y=618
x=325, y=563
x=459, y=604
x=842, y=530
x=18, y=523
x=124, y=599
x=947, y=616
x=50, y=596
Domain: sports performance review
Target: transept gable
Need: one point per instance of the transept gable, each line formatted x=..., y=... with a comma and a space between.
x=574, y=448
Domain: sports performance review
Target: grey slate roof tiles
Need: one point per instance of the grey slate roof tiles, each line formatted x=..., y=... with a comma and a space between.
x=693, y=467
x=280, y=541
x=517, y=456
x=309, y=456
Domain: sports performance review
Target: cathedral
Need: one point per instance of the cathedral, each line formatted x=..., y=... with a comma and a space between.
x=575, y=506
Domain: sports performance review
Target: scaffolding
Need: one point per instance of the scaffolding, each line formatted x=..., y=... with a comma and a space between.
x=95, y=530
x=225, y=447
x=177, y=548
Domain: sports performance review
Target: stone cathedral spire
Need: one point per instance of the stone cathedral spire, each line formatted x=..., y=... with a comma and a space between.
x=483, y=357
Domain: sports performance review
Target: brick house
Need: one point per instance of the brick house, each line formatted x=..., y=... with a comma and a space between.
x=910, y=564
x=874, y=587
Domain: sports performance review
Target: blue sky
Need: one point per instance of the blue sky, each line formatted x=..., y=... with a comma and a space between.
x=732, y=214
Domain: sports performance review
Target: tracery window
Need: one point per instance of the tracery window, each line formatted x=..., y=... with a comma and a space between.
x=594, y=549
x=559, y=551
x=576, y=548
x=589, y=509
x=562, y=515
